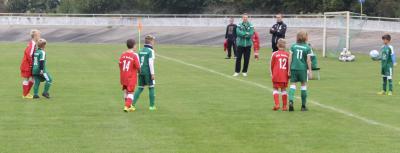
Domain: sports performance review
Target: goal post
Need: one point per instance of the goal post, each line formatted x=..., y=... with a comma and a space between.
x=327, y=15
x=338, y=30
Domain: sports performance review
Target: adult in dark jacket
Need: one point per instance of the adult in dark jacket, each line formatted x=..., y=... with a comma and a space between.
x=230, y=37
x=278, y=31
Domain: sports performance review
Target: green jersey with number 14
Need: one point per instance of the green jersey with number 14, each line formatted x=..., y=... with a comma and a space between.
x=299, y=52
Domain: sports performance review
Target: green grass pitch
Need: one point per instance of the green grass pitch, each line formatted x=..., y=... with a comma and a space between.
x=200, y=107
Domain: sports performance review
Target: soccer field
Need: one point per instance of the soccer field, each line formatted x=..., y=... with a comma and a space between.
x=201, y=108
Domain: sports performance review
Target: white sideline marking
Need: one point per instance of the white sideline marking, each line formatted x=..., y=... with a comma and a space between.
x=346, y=113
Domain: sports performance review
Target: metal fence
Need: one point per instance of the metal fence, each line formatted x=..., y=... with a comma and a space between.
x=187, y=20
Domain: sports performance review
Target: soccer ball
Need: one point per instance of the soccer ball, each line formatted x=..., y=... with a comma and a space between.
x=374, y=54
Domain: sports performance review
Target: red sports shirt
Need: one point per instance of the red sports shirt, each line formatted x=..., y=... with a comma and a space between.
x=279, y=66
x=129, y=66
x=26, y=64
x=256, y=43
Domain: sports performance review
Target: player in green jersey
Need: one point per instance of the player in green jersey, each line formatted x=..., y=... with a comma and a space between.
x=386, y=57
x=300, y=68
x=147, y=75
x=39, y=70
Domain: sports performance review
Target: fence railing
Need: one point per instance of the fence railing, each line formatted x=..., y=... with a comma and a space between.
x=189, y=20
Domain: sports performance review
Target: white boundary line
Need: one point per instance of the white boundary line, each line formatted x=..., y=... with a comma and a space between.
x=331, y=108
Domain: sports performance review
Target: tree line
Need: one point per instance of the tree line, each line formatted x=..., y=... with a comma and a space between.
x=386, y=8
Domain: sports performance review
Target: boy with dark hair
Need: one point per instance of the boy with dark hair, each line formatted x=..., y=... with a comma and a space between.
x=129, y=67
x=386, y=57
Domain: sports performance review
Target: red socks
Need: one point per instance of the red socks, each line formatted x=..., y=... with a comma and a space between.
x=128, y=102
x=284, y=99
x=26, y=87
x=276, y=99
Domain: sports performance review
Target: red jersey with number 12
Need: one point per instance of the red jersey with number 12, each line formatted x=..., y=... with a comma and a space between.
x=279, y=66
x=129, y=66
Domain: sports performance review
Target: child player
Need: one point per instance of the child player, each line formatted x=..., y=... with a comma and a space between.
x=129, y=67
x=26, y=65
x=146, y=77
x=39, y=70
x=279, y=73
x=300, y=68
x=386, y=57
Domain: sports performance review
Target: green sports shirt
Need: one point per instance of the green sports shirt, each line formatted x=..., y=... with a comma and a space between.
x=38, y=57
x=386, y=57
x=299, y=52
x=146, y=57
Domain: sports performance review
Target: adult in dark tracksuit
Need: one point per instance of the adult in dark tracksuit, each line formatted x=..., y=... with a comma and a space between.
x=244, y=32
x=230, y=37
x=278, y=31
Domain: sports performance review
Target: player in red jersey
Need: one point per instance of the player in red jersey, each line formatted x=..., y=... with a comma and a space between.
x=279, y=73
x=256, y=44
x=26, y=65
x=129, y=66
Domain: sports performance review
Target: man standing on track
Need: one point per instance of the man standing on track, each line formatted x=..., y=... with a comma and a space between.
x=26, y=65
x=278, y=31
x=230, y=37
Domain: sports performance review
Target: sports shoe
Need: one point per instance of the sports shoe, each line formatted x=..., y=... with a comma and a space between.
x=235, y=74
x=304, y=108
x=47, y=95
x=28, y=96
x=126, y=109
x=381, y=93
x=291, y=108
x=132, y=109
x=284, y=108
x=152, y=108
x=389, y=93
x=244, y=74
x=36, y=97
x=275, y=108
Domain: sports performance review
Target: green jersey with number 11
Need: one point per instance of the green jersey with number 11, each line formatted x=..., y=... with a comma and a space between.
x=299, y=52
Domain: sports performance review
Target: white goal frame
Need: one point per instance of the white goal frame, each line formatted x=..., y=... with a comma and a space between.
x=346, y=14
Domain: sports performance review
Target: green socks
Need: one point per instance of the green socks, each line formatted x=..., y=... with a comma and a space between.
x=291, y=93
x=152, y=96
x=303, y=97
x=137, y=94
x=384, y=83
x=36, y=86
x=47, y=87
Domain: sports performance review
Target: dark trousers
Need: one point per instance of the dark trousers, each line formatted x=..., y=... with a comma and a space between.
x=245, y=53
x=274, y=47
x=231, y=44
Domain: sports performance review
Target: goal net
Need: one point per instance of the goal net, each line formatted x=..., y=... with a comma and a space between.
x=339, y=30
